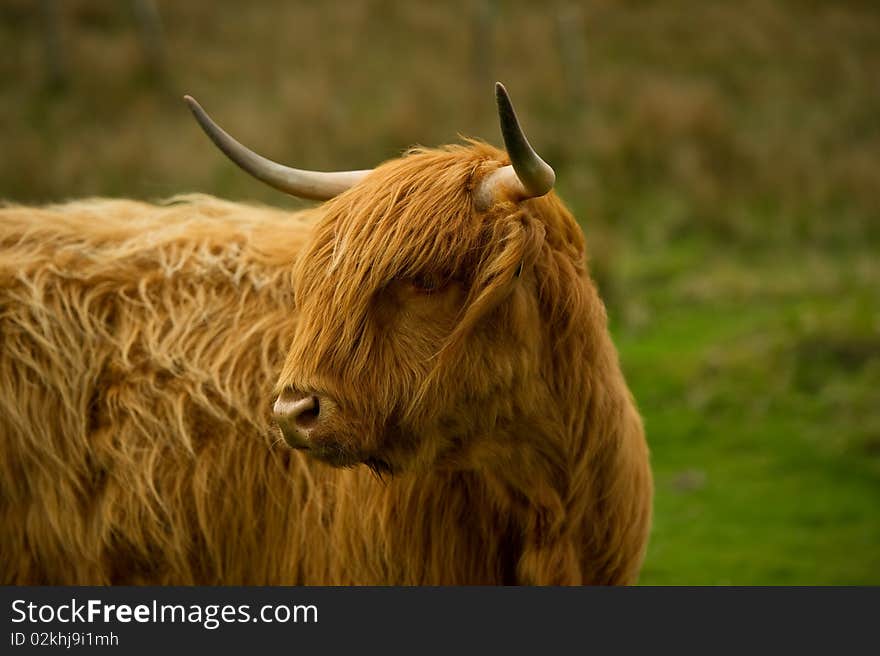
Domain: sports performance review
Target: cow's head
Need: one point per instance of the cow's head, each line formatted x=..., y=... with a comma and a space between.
x=422, y=303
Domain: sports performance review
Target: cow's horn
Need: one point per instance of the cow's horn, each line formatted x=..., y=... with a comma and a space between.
x=317, y=185
x=528, y=175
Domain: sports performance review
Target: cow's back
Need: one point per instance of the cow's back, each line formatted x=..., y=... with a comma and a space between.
x=138, y=350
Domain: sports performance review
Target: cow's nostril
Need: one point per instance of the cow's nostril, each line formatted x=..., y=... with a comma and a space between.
x=308, y=412
x=296, y=414
x=299, y=414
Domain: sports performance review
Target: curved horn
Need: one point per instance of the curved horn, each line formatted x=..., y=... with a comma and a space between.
x=528, y=175
x=316, y=185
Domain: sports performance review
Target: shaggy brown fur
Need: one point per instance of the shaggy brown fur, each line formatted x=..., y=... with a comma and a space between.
x=142, y=346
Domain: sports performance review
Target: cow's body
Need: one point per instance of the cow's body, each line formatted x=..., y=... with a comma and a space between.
x=139, y=349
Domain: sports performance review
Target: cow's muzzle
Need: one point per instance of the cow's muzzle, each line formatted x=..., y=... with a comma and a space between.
x=298, y=414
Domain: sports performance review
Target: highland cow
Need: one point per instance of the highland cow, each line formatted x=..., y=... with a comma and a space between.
x=410, y=383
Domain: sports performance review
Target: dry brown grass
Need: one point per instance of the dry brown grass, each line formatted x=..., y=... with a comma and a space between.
x=726, y=107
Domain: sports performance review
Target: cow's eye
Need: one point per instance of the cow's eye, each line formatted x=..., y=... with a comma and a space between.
x=428, y=283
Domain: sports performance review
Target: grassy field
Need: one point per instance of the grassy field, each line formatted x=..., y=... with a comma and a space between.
x=724, y=159
x=761, y=404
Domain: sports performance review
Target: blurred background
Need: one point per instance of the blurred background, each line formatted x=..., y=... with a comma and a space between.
x=723, y=159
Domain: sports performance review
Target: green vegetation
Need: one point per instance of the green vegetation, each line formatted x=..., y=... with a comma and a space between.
x=724, y=159
x=761, y=404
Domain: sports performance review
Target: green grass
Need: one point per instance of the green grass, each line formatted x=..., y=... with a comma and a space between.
x=763, y=416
